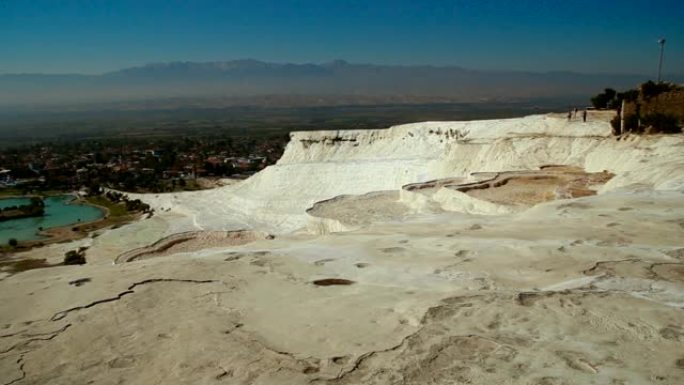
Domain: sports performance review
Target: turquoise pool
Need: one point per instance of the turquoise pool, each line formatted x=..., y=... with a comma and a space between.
x=59, y=211
x=13, y=202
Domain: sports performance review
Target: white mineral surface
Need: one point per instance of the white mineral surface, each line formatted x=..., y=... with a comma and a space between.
x=427, y=285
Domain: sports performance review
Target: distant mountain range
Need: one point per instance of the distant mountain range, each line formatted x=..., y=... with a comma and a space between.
x=252, y=82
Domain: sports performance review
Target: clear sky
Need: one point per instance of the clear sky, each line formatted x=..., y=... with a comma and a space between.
x=95, y=36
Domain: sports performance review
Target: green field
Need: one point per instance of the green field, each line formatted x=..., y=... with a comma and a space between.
x=115, y=209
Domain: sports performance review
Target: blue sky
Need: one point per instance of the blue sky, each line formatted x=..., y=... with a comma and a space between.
x=61, y=36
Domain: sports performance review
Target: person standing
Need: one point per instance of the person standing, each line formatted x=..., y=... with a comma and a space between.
x=584, y=115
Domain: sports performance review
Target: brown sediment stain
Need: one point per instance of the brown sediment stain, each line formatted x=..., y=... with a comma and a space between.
x=668, y=271
x=676, y=253
x=530, y=187
x=529, y=298
x=672, y=332
x=578, y=361
x=636, y=268
x=191, y=241
x=392, y=249
x=20, y=265
x=680, y=363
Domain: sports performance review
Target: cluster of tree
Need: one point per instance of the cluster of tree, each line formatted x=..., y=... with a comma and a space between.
x=635, y=121
x=132, y=205
x=35, y=208
x=115, y=196
x=651, y=89
x=135, y=205
x=612, y=99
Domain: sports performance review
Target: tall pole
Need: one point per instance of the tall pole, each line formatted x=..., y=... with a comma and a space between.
x=660, y=62
x=622, y=117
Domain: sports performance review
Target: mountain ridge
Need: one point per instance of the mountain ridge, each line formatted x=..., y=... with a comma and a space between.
x=251, y=77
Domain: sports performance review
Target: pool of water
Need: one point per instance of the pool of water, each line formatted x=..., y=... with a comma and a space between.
x=13, y=202
x=59, y=211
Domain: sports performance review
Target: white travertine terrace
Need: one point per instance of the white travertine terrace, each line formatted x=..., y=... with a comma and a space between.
x=320, y=165
x=425, y=284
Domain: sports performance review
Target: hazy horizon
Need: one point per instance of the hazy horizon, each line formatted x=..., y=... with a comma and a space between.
x=678, y=73
x=338, y=82
x=76, y=37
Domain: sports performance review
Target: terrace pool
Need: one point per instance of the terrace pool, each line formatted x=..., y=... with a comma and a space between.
x=59, y=211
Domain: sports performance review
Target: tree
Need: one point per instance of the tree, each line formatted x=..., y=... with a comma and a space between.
x=628, y=96
x=603, y=99
x=610, y=93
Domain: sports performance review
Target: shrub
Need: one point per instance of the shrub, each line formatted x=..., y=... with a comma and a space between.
x=662, y=123
x=615, y=125
x=73, y=257
x=13, y=242
x=651, y=89
x=631, y=124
